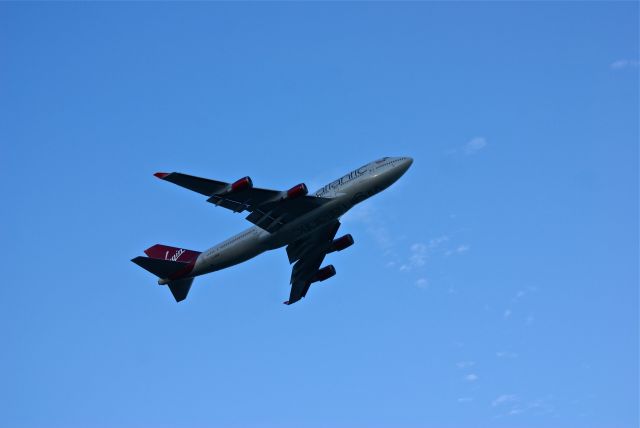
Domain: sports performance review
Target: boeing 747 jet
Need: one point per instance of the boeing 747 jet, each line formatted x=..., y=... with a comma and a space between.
x=305, y=224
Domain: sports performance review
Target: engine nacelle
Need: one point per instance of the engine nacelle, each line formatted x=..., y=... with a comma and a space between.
x=242, y=184
x=324, y=273
x=297, y=191
x=342, y=243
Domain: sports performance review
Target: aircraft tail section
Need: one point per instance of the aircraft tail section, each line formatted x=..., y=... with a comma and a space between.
x=171, y=273
x=172, y=266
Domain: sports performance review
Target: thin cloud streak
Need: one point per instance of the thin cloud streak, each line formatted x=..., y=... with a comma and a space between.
x=465, y=364
x=512, y=405
x=422, y=283
x=373, y=223
x=474, y=145
x=419, y=252
x=624, y=63
x=472, y=377
x=471, y=147
x=418, y=257
x=459, y=250
x=504, y=399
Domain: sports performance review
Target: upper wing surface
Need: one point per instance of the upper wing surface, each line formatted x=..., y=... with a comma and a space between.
x=201, y=185
x=269, y=209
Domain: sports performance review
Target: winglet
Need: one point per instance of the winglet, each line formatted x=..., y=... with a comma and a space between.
x=161, y=175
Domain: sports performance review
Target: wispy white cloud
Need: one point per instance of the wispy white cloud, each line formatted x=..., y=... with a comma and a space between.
x=472, y=377
x=469, y=148
x=504, y=399
x=422, y=283
x=624, y=63
x=380, y=234
x=528, y=321
x=522, y=293
x=465, y=364
x=373, y=222
x=511, y=405
x=506, y=354
x=375, y=226
x=436, y=242
x=540, y=405
x=474, y=145
x=460, y=249
x=516, y=301
x=419, y=253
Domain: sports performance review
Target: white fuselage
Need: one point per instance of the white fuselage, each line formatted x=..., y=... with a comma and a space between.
x=344, y=193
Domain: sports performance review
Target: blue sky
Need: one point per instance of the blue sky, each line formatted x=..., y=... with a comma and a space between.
x=495, y=285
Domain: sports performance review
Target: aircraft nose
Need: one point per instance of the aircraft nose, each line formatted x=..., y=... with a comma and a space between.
x=405, y=164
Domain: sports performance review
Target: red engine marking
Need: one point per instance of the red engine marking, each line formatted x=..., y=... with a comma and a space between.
x=297, y=191
x=242, y=184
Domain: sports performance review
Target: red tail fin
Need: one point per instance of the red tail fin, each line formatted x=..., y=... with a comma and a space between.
x=165, y=252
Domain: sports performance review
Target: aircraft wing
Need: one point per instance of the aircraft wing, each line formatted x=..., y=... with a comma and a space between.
x=308, y=253
x=269, y=209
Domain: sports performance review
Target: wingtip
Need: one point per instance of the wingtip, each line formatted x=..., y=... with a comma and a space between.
x=161, y=175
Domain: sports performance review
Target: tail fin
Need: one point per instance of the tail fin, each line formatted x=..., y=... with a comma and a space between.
x=171, y=265
x=165, y=252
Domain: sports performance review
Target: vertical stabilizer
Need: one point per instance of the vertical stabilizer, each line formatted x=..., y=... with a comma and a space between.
x=165, y=252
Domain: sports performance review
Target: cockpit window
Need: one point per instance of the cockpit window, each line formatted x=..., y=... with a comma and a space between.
x=385, y=161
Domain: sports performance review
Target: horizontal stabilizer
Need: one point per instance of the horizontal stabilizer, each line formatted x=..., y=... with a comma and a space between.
x=160, y=268
x=180, y=288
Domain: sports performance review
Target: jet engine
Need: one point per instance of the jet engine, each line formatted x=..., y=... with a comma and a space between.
x=324, y=273
x=297, y=191
x=342, y=243
x=242, y=184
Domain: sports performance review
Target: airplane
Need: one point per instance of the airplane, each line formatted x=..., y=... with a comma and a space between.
x=305, y=224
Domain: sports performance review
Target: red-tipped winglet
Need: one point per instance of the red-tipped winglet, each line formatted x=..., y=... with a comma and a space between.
x=161, y=175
